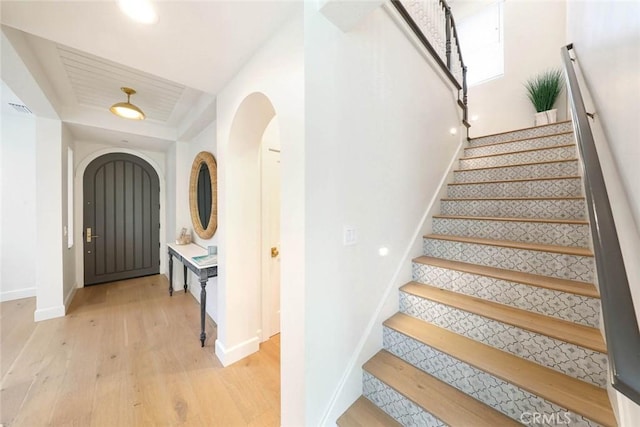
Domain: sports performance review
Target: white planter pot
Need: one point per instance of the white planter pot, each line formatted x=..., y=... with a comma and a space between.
x=546, y=117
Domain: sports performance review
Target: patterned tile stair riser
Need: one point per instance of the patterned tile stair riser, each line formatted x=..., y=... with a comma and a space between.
x=562, y=266
x=546, y=155
x=534, y=208
x=495, y=392
x=522, y=133
x=570, y=359
x=395, y=404
x=537, y=170
x=557, y=187
x=518, y=231
x=519, y=145
x=502, y=337
x=561, y=305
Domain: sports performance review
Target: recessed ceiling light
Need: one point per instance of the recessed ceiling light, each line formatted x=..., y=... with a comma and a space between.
x=474, y=118
x=141, y=11
x=453, y=131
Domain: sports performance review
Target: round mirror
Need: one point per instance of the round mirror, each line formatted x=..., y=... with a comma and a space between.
x=203, y=192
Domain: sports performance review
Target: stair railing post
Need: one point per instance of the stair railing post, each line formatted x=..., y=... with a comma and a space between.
x=464, y=90
x=447, y=26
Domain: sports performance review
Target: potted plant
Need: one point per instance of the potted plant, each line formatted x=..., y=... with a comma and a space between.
x=543, y=91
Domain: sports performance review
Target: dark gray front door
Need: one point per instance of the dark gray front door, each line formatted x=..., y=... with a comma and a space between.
x=121, y=219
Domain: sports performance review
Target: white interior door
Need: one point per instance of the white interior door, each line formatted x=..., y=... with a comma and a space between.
x=270, y=236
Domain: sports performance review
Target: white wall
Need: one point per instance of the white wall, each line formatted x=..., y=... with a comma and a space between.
x=86, y=148
x=46, y=164
x=606, y=38
x=34, y=151
x=19, y=241
x=277, y=72
x=68, y=254
x=170, y=176
x=377, y=148
x=179, y=161
x=50, y=241
x=534, y=32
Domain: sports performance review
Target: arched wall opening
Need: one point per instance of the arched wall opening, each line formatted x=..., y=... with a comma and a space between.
x=240, y=296
x=78, y=198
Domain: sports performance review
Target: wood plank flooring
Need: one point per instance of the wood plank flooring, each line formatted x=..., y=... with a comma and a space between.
x=127, y=354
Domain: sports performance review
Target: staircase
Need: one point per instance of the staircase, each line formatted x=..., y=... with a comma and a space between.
x=499, y=326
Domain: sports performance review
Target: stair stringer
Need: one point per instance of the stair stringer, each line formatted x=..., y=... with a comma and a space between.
x=350, y=385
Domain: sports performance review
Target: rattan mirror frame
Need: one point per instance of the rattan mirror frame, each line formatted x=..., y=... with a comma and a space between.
x=208, y=159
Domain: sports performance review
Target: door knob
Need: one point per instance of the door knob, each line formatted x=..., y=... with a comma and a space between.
x=274, y=252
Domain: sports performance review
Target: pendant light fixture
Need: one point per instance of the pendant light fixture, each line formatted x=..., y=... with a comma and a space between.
x=126, y=109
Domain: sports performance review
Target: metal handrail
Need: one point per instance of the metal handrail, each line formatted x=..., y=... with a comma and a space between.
x=451, y=35
x=620, y=322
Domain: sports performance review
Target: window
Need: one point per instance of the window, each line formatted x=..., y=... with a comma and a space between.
x=69, y=198
x=482, y=43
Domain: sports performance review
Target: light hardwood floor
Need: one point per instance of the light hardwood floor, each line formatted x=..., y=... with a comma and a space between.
x=127, y=354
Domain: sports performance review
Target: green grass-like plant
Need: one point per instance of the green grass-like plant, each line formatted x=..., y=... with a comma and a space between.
x=543, y=89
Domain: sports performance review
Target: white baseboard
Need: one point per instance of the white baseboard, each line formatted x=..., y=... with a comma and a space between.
x=69, y=298
x=237, y=352
x=17, y=294
x=49, y=313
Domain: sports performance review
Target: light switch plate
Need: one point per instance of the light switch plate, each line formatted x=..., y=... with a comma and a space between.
x=349, y=236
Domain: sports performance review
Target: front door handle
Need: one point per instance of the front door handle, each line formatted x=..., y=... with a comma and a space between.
x=90, y=236
x=274, y=252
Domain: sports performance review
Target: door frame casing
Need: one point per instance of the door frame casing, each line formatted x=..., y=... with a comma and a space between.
x=266, y=285
x=141, y=237
x=79, y=204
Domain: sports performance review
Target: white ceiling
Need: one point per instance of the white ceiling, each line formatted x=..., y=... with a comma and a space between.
x=86, y=50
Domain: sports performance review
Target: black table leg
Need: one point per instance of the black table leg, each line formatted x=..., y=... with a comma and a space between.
x=184, y=267
x=170, y=275
x=203, y=305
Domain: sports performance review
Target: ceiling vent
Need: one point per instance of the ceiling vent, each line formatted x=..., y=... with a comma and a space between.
x=20, y=108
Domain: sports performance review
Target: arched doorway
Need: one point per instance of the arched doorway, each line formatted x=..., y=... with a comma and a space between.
x=243, y=297
x=121, y=219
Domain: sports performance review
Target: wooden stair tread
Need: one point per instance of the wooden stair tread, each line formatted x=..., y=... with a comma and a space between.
x=562, y=285
x=508, y=219
x=567, y=392
x=363, y=413
x=517, y=151
x=574, y=333
x=566, y=250
x=520, y=139
x=519, y=130
x=517, y=164
x=438, y=398
x=501, y=181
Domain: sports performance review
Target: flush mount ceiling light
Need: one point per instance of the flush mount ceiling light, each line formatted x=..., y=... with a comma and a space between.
x=126, y=109
x=139, y=10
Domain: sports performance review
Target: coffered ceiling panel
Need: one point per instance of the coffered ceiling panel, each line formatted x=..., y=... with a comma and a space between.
x=96, y=82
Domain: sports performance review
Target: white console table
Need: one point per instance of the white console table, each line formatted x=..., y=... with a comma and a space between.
x=185, y=254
